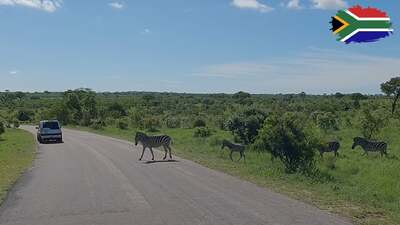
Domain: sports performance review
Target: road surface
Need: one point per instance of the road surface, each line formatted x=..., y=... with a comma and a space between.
x=91, y=179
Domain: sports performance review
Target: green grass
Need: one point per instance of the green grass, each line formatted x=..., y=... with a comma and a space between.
x=17, y=150
x=364, y=188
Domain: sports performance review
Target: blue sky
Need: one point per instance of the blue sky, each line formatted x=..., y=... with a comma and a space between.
x=201, y=46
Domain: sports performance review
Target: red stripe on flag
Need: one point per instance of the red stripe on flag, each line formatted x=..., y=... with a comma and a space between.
x=367, y=12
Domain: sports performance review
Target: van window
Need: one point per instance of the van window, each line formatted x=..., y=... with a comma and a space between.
x=51, y=125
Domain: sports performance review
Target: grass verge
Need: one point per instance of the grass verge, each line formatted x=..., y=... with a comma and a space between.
x=17, y=151
x=364, y=188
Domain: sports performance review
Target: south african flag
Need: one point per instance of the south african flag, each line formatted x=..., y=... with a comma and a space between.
x=358, y=24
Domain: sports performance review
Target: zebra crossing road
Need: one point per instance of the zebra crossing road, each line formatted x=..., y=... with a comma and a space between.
x=91, y=179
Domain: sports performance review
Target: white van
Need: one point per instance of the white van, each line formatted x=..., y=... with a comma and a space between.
x=49, y=130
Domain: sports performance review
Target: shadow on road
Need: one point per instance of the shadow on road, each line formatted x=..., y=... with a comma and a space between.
x=51, y=143
x=161, y=161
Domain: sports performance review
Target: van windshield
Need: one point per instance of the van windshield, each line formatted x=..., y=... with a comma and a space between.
x=51, y=125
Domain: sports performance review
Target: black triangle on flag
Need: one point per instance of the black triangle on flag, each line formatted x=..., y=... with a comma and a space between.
x=336, y=24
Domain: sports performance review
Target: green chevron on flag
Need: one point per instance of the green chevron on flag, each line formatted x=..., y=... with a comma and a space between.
x=359, y=24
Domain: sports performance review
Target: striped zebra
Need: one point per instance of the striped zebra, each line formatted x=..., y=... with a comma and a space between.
x=331, y=146
x=154, y=142
x=370, y=146
x=234, y=148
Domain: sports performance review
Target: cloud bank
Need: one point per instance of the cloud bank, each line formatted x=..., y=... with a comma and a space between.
x=44, y=5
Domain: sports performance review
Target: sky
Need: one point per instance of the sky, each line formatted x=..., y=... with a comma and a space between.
x=192, y=46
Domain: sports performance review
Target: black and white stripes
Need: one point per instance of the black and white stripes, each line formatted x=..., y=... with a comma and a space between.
x=234, y=148
x=370, y=146
x=154, y=142
x=331, y=146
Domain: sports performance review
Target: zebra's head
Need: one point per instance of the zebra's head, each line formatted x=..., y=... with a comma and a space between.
x=357, y=141
x=138, y=137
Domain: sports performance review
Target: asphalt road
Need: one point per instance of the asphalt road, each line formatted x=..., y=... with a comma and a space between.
x=91, y=179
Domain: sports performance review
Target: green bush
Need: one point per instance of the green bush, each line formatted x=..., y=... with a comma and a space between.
x=286, y=137
x=199, y=123
x=173, y=122
x=202, y=132
x=151, y=124
x=97, y=124
x=121, y=124
x=327, y=121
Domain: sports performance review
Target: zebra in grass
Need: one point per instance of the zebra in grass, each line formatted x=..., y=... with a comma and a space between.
x=370, y=146
x=154, y=142
x=331, y=146
x=234, y=148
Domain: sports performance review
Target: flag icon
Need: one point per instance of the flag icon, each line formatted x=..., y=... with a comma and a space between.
x=358, y=25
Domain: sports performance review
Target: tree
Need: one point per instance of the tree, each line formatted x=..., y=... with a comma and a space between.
x=327, y=121
x=117, y=110
x=286, y=137
x=81, y=104
x=339, y=95
x=372, y=123
x=242, y=98
x=392, y=88
x=245, y=124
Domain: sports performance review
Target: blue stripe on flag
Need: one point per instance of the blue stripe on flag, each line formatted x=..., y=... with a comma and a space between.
x=367, y=36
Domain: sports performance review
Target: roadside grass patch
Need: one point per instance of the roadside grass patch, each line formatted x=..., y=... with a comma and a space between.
x=17, y=151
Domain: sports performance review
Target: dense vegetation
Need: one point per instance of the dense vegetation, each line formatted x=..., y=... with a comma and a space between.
x=287, y=127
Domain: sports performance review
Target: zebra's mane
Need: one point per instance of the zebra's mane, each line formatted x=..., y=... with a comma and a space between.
x=140, y=134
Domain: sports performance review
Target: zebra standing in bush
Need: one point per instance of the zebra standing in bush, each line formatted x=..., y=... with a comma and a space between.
x=331, y=146
x=234, y=148
x=154, y=142
x=370, y=146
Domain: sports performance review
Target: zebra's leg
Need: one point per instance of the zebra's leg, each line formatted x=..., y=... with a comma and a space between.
x=241, y=155
x=165, y=150
x=170, y=152
x=244, y=156
x=231, y=155
x=144, y=148
x=152, y=154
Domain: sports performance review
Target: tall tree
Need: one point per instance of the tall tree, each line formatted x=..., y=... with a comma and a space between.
x=392, y=88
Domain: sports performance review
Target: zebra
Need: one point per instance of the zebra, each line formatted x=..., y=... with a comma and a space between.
x=370, y=146
x=331, y=146
x=154, y=142
x=234, y=148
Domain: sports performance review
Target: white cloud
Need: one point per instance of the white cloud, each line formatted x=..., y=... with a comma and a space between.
x=252, y=4
x=45, y=5
x=13, y=72
x=294, y=4
x=316, y=71
x=329, y=4
x=116, y=5
x=146, y=31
